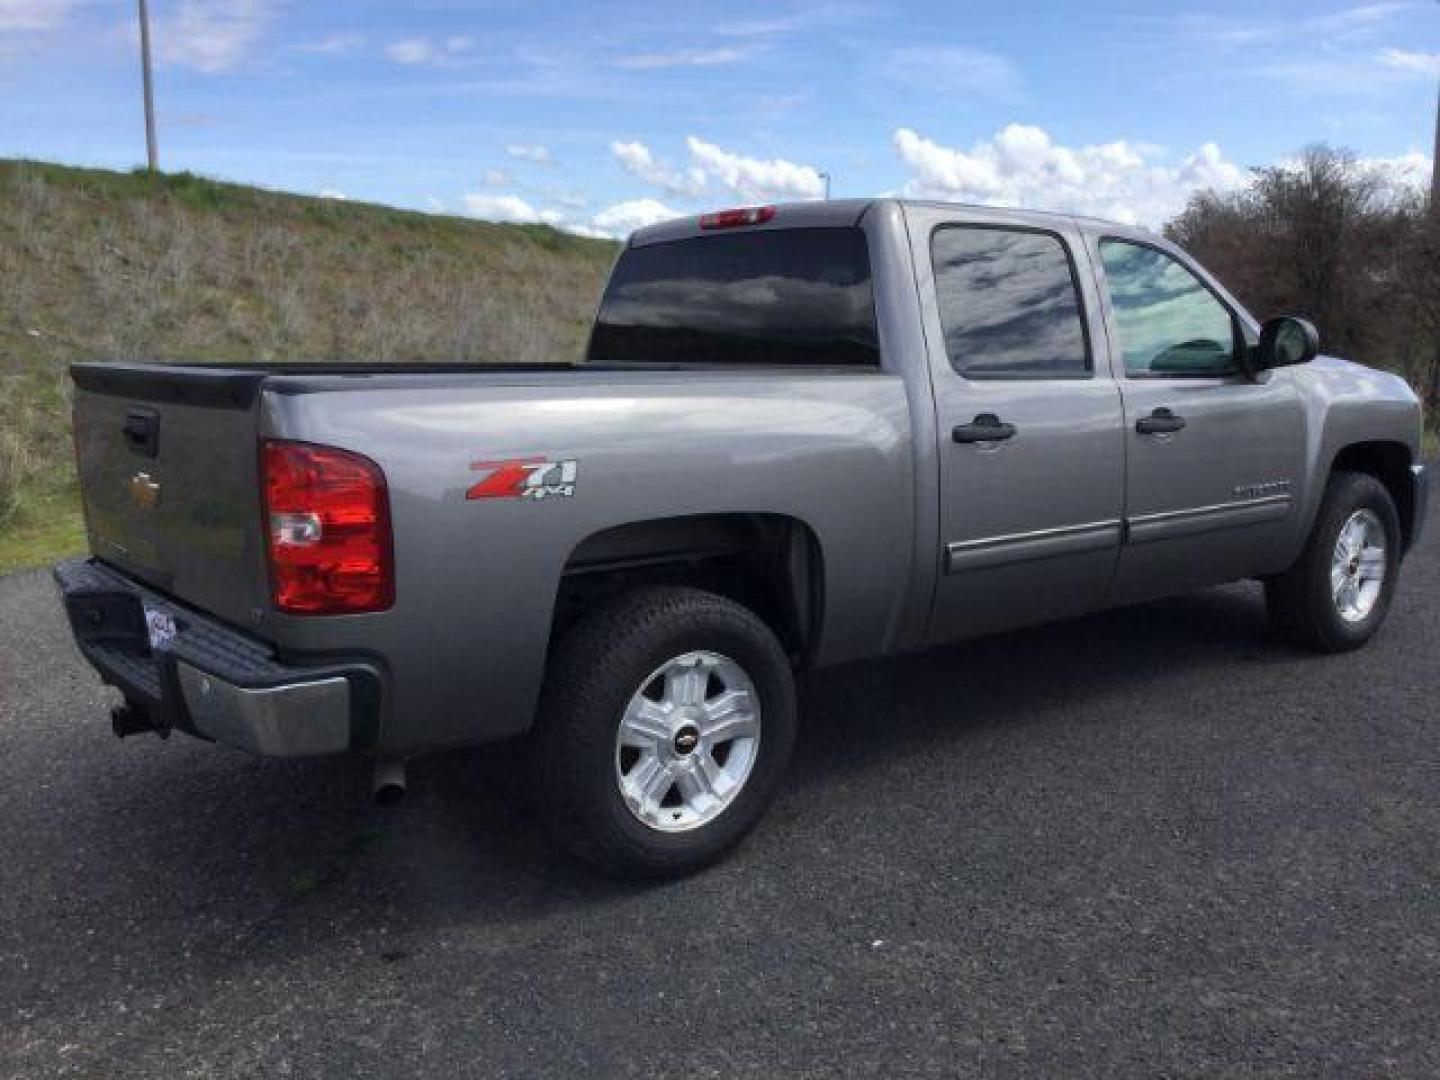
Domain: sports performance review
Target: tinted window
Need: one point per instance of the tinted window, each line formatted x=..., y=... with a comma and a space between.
x=1168, y=322
x=1008, y=304
x=785, y=296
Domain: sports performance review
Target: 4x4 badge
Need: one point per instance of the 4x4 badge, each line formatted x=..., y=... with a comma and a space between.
x=524, y=478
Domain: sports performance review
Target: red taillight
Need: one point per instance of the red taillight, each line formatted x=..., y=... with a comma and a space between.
x=735, y=219
x=328, y=530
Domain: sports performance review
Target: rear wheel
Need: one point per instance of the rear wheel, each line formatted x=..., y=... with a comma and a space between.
x=667, y=721
x=1337, y=594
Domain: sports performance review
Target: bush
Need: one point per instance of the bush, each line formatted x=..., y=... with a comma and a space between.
x=1352, y=246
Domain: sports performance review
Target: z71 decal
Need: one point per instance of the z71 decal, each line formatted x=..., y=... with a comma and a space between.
x=524, y=478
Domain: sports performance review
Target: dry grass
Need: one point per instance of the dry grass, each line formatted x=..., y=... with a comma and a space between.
x=14, y=469
x=97, y=264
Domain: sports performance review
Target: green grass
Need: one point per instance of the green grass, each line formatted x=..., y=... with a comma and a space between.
x=48, y=528
x=97, y=264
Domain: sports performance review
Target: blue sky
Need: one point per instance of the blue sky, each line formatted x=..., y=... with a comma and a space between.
x=603, y=115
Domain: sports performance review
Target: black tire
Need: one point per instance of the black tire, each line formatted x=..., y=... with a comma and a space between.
x=593, y=673
x=1300, y=601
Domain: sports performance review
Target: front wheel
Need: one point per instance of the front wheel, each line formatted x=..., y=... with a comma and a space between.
x=1337, y=594
x=666, y=723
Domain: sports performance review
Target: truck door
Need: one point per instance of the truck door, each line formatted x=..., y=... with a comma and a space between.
x=1029, y=422
x=1214, y=460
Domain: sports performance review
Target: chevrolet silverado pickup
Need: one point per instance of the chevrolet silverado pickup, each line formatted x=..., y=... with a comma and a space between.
x=802, y=435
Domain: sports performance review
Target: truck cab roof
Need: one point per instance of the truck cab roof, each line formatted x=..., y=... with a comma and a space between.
x=839, y=213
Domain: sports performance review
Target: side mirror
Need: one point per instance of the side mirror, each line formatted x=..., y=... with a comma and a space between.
x=1285, y=340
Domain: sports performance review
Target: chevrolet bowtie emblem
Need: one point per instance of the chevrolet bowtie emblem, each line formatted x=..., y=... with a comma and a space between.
x=144, y=492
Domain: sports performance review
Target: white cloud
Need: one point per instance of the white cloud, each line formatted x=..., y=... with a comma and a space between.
x=211, y=35
x=531, y=152
x=613, y=223
x=636, y=159
x=753, y=178
x=682, y=58
x=758, y=27
x=420, y=50
x=954, y=70
x=624, y=218
x=1412, y=168
x=801, y=17
x=1022, y=166
x=498, y=178
x=410, y=51
x=1421, y=62
x=587, y=231
x=331, y=193
x=34, y=14
x=1347, y=26
x=500, y=208
x=332, y=45
x=1358, y=22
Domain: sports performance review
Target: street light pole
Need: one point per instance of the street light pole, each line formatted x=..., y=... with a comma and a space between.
x=152, y=154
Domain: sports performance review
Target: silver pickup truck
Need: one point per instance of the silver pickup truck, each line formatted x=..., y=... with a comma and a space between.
x=803, y=435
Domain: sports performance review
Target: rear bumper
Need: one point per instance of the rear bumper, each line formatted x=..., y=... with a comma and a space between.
x=1420, y=484
x=213, y=681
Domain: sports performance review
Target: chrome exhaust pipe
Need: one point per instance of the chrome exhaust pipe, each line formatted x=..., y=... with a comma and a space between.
x=389, y=785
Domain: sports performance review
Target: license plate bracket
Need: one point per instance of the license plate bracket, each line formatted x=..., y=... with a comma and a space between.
x=107, y=616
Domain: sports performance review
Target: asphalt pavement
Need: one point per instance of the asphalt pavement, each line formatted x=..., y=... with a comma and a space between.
x=1154, y=842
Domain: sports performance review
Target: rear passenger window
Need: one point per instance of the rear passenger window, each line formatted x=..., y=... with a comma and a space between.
x=1008, y=304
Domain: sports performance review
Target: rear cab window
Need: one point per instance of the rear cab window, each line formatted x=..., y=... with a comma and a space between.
x=795, y=297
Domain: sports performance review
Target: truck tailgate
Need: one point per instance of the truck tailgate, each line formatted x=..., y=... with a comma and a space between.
x=169, y=464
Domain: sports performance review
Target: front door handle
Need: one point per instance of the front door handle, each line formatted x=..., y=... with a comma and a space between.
x=1160, y=422
x=987, y=427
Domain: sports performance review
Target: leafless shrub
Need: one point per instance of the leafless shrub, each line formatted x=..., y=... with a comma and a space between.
x=1351, y=246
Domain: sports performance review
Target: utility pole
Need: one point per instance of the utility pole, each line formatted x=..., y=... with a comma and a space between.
x=1434, y=388
x=826, y=177
x=152, y=154
x=1435, y=163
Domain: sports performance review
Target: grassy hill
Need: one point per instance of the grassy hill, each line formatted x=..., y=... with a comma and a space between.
x=97, y=264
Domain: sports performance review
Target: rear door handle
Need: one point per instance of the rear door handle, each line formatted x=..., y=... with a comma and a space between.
x=987, y=427
x=1160, y=422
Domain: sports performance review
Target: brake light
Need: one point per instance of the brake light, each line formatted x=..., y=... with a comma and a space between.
x=735, y=219
x=328, y=530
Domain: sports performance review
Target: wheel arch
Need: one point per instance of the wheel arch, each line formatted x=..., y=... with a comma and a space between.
x=772, y=563
x=1389, y=462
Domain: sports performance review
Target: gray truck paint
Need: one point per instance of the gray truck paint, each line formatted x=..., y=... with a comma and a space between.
x=921, y=540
